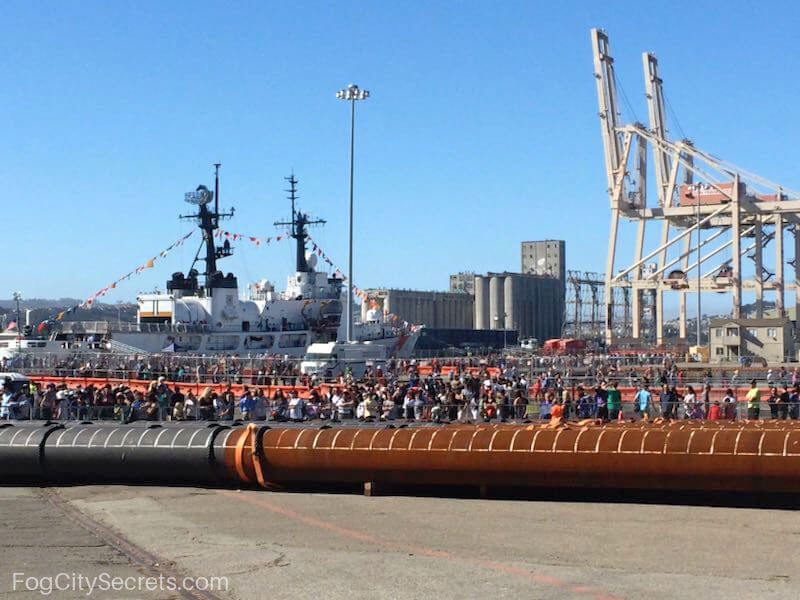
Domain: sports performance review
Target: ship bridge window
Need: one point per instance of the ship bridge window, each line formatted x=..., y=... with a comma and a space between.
x=259, y=342
x=222, y=342
x=189, y=343
x=321, y=356
x=292, y=340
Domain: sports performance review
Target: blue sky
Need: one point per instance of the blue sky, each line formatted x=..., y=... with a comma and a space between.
x=481, y=130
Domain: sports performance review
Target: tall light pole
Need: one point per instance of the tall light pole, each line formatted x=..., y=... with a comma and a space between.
x=17, y=296
x=351, y=93
x=698, y=271
x=505, y=331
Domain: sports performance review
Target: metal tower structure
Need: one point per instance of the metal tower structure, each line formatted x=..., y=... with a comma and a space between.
x=702, y=207
x=584, y=307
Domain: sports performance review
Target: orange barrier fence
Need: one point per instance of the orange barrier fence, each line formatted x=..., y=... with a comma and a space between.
x=142, y=385
x=446, y=370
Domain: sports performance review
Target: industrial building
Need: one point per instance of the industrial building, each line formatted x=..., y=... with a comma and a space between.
x=463, y=282
x=545, y=257
x=441, y=310
x=532, y=305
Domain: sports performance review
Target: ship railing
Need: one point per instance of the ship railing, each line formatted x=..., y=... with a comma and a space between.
x=159, y=328
x=103, y=327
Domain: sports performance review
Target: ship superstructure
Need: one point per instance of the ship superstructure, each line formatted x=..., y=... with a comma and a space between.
x=201, y=311
x=212, y=318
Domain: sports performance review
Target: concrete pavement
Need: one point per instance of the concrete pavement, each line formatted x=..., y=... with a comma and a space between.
x=300, y=545
x=341, y=546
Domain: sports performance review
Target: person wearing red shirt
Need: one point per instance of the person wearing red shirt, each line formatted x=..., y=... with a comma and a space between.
x=715, y=411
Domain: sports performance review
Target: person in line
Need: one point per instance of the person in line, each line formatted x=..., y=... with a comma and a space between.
x=388, y=409
x=259, y=406
x=177, y=403
x=601, y=401
x=772, y=401
x=715, y=411
x=545, y=407
x=190, y=406
x=49, y=403
x=642, y=402
x=205, y=404
x=794, y=403
x=475, y=407
x=614, y=401
x=665, y=398
x=557, y=411
x=246, y=405
x=280, y=407
x=344, y=405
x=691, y=409
x=584, y=408
x=705, y=400
x=753, y=398
x=783, y=403
x=729, y=404
x=7, y=404
x=162, y=397
x=419, y=406
x=296, y=407
x=408, y=404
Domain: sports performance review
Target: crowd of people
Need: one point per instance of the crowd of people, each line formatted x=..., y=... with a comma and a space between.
x=274, y=370
x=379, y=395
x=504, y=391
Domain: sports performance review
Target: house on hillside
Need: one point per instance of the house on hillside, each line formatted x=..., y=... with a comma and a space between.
x=772, y=340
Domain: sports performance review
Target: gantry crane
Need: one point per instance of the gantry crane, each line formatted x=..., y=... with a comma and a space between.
x=698, y=195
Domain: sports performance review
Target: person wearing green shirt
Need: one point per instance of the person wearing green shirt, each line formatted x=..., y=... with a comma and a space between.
x=613, y=401
x=753, y=401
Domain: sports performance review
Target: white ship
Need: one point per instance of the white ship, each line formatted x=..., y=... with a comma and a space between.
x=204, y=317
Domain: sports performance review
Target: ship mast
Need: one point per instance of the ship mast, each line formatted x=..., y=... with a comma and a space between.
x=298, y=226
x=208, y=222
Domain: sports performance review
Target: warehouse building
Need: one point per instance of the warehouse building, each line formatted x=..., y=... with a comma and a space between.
x=530, y=305
x=441, y=310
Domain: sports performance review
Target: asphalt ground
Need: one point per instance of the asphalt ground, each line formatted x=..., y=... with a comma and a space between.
x=315, y=544
x=38, y=540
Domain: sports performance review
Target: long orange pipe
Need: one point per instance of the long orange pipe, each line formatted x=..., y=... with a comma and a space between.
x=743, y=457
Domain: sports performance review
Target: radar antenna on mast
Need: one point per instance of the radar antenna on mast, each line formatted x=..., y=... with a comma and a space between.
x=208, y=222
x=298, y=226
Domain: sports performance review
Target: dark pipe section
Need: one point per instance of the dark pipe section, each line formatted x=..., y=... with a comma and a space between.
x=132, y=454
x=22, y=450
